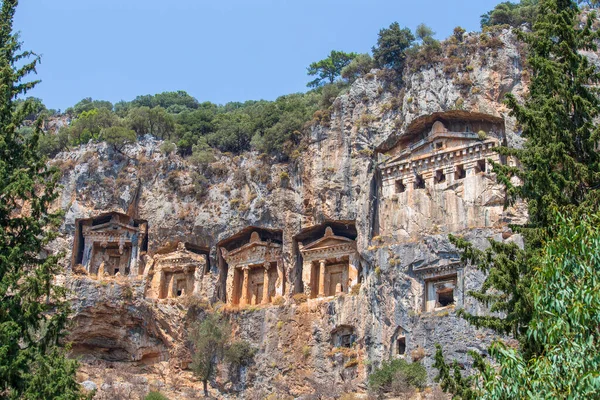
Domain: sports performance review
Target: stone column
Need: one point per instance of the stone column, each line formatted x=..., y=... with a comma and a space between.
x=171, y=284
x=428, y=177
x=87, y=255
x=280, y=283
x=306, y=277
x=321, y=278
x=449, y=172
x=230, y=284
x=353, y=270
x=266, y=283
x=244, y=296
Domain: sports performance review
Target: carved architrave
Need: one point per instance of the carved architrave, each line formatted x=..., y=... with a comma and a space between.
x=406, y=165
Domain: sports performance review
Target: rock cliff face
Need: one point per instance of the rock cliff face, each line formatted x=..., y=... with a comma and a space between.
x=404, y=256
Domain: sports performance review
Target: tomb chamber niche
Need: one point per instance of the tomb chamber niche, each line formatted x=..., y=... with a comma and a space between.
x=254, y=268
x=110, y=244
x=442, y=285
x=329, y=265
x=438, y=175
x=175, y=274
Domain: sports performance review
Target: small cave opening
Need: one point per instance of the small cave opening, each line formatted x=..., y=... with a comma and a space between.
x=401, y=346
x=459, y=172
x=400, y=187
x=440, y=176
x=419, y=182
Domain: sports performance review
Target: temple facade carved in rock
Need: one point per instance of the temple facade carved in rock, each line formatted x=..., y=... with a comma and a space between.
x=255, y=272
x=439, y=177
x=110, y=244
x=329, y=265
x=175, y=274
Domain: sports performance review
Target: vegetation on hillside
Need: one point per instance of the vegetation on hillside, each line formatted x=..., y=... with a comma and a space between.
x=33, y=310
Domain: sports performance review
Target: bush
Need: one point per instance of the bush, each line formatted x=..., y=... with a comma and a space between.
x=240, y=353
x=118, y=136
x=168, y=148
x=300, y=298
x=396, y=375
x=155, y=396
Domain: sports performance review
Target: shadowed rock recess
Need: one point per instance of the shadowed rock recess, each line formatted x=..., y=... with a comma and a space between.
x=327, y=265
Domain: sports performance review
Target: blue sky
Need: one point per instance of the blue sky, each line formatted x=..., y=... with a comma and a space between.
x=216, y=51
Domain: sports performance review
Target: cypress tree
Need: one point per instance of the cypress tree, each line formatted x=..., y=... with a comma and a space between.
x=33, y=311
x=557, y=170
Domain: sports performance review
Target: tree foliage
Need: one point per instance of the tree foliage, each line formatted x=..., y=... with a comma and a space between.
x=509, y=13
x=413, y=375
x=558, y=171
x=565, y=292
x=330, y=68
x=33, y=311
x=359, y=66
x=209, y=339
x=392, y=44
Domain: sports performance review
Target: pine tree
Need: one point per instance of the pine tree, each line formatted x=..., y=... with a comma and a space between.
x=558, y=169
x=33, y=312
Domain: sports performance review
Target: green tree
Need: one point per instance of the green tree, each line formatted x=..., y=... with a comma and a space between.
x=330, y=68
x=513, y=14
x=559, y=167
x=209, y=339
x=88, y=104
x=161, y=123
x=154, y=121
x=118, y=137
x=424, y=34
x=233, y=132
x=565, y=318
x=392, y=44
x=566, y=303
x=33, y=311
x=89, y=124
x=397, y=373
x=359, y=66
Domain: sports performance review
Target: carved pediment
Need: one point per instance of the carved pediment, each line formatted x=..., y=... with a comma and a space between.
x=328, y=240
x=112, y=226
x=328, y=246
x=255, y=252
x=180, y=257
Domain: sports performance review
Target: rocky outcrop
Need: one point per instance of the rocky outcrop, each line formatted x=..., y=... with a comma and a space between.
x=335, y=178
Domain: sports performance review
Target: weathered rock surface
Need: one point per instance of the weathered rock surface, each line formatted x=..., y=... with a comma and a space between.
x=335, y=179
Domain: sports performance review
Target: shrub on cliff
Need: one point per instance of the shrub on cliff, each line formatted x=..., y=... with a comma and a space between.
x=398, y=376
x=155, y=396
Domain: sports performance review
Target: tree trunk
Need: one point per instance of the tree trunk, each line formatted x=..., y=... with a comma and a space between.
x=205, y=384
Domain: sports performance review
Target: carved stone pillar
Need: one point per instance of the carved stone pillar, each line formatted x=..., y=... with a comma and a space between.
x=171, y=284
x=321, y=278
x=306, y=277
x=244, y=296
x=266, y=283
x=353, y=265
x=280, y=283
x=87, y=256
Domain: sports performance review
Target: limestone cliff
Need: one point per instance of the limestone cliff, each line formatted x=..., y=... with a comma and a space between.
x=130, y=342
